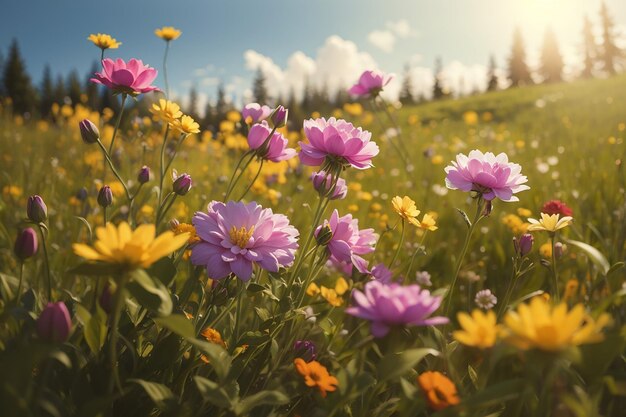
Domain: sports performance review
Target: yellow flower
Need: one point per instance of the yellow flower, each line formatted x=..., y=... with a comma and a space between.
x=130, y=249
x=166, y=111
x=549, y=223
x=185, y=125
x=479, y=330
x=312, y=290
x=405, y=207
x=524, y=212
x=331, y=296
x=470, y=118
x=515, y=223
x=104, y=41
x=341, y=286
x=428, y=223
x=540, y=325
x=545, y=250
x=316, y=375
x=168, y=33
x=186, y=228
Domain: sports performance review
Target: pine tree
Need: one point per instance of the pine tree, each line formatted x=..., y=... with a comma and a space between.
x=519, y=74
x=74, y=89
x=2, y=93
x=406, y=96
x=589, y=48
x=259, y=88
x=307, y=97
x=437, y=88
x=91, y=88
x=551, y=59
x=208, y=119
x=609, y=51
x=492, y=77
x=46, y=92
x=59, y=91
x=221, y=106
x=192, y=108
x=296, y=116
x=17, y=84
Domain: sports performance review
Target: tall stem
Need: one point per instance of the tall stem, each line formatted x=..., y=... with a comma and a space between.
x=238, y=312
x=117, y=175
x=19, y=286
x=46, y=262
x=509, y=291
x=167, y=85
x=395, y=256
x=555, y=272
x=117, y=123
x=253, y=181
x=162, y=165
x=459, y=262
x=234, y=179
x=118, y=305
x=104, y=215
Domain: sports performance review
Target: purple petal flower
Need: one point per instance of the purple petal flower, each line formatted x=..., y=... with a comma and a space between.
x=305, y=349
x=370, y=83
x=272, y=148
x=132, y=77
x=254, y=113
x=381, y=273
x=54, y=323
x=337, y=141
x=234, y=236
x=348, y=242
x=387, y=305
x=487, y=174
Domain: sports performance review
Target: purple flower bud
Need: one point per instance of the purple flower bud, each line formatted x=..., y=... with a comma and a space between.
x=322, y=183
x=174, y=223
x=26, y=244
x=54, y=323
x=279, y=117
x=182, y=184
x=144, y=175
x=89, y=131
x=36, y=209
x=324, y=236
x=306, y=349
x=559, y=249
x=525, y=244
x=82, y=194
x=105, y=196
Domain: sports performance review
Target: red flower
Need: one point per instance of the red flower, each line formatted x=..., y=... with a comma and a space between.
x=556, y=207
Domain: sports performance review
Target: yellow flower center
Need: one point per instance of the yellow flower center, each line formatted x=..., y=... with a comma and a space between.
x=241, y=236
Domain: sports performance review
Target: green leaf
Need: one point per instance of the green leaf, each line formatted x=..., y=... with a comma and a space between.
x=223, y=396
x=161, y=395
x=164, y=270
x=394, y=365
x=496, y=394
x=260, y=398
x=150, y=292
x=95, y=269
x=94, y=327
x=473, y=375
x=595, y=255
x=218, y=356
x=177, y=323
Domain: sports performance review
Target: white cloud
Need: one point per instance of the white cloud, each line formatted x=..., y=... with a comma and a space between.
x=401, y=28
x=337, y=64
x=382, y=39
x=463, y=79
x=209, y=81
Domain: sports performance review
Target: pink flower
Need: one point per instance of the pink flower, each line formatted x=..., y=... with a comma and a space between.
x=487, y=174
x=337, y=141
x=234, y=236
x=275, y=149
x=370, y=83
x=132, y=77
x=381, y=273
x=390, y=304
x=346, y=242
x=254, y=112
x=322, y=183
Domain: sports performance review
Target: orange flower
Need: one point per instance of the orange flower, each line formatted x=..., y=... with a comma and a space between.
x=316, y=375
x=213, y=336
x=439, y=390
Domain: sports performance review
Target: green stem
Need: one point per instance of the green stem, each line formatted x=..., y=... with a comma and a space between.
x=253, y=181
x=162, y=163
x=395, y=256
x=162, y=212
x=459, y=263
x=46, y=262
x=117, y=123
x=178, y=146
x=238, y=312
x=104, y=215
x=555, y=272
x=118, y=305
x=167, y=86
x=117, y=175
x=234, y=179
x=509, y=291
x=19, y=286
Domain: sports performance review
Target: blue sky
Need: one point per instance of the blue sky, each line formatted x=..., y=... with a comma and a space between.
x=224, y=40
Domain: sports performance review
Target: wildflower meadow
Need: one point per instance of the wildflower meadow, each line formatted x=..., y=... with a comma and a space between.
x=455, y=257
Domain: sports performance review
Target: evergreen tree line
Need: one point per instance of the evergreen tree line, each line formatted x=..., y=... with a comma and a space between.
x=599, y=58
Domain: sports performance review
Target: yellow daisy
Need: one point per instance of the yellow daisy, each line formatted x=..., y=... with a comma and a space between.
x=185, y=125
x=168, y=33
x=166, y=111
x=104, y=41
x=549, y=223
x=405, y=207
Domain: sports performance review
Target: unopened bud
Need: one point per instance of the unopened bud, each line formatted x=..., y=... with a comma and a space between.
x=36, y=209
x=89, y=131
x=144, y=175
x=105, y=196
x=524, y=245
x=182, y=184
x=54, y=323
x=279, y=117
x=25, y=244
x=323, y=235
